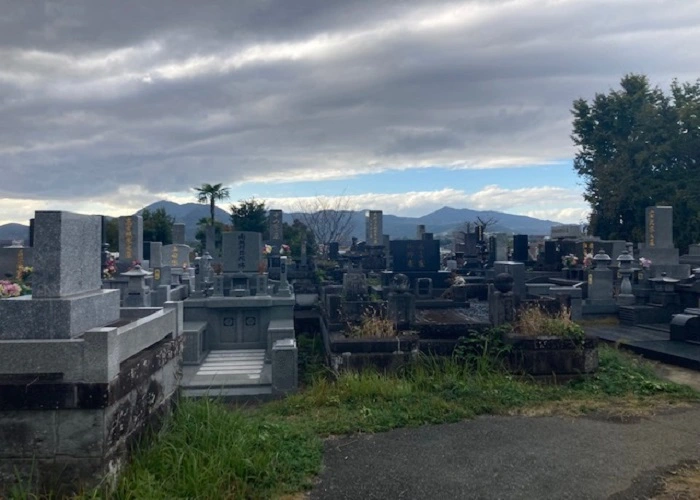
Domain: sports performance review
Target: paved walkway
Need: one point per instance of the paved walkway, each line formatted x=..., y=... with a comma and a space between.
x=511, y=458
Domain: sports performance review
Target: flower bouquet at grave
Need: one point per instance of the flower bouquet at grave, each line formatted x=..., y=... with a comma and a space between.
x=133, y=265
x=588, y=261
x=285, y=250
x=9, y=289
x=569, y=260
x=645, y=263
x=110, y=269
x=267, y=250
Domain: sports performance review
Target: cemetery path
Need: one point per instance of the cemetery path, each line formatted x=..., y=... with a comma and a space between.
x=512, y=457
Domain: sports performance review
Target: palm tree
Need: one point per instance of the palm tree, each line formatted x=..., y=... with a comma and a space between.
x=207, y=193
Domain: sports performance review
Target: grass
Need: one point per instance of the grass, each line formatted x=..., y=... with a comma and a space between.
x=208, y=450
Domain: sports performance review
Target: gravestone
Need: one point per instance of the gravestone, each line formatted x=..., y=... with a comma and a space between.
x=67, y=298
x=130, y=240
x=551, y=255
x=471, y=242
x=242, y=251
x=420, y=231
x=374, y=236
x=275, y=227
x=333, y=250
x=179, y=233
x=13, y=260
x=658, y=246
x=570, y=231
x=415, y=255
x=31, y=233
x=175, y=255
x=501, y=246
x=520, y=248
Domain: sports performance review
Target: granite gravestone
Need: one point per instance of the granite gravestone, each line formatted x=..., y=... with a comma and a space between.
x=420, y=231
x=501, y=246
x=130, y=240
x=67, y=298
x=658, y=246
x=520, y=248
x=415, y=255
x=374, y=236
x=175, y=255
x=242, y=251
x=551, y=253
x=179, y=233
x=275, y=227
x=471, y=241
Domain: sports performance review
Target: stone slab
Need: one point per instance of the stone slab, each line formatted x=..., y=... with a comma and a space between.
x=28, y=317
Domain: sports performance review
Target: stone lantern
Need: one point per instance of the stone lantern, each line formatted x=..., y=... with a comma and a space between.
x=601, y=260
x=137, y=293
x=625, y=297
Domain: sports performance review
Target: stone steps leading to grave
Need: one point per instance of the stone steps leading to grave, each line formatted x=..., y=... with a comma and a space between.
x=229, y=374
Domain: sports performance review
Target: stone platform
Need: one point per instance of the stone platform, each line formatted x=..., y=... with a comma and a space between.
x=651, y=341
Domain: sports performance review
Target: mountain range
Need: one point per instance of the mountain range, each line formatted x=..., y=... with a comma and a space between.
x=440, y=222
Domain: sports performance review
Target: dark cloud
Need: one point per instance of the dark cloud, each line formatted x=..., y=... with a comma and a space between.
x=95, y=95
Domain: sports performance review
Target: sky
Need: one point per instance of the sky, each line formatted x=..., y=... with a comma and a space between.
x=403, y=106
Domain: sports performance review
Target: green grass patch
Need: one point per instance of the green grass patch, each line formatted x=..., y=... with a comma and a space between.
x=208, y=450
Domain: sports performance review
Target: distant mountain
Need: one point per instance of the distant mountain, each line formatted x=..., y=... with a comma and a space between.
x=440, y=222
x=12, y=231
x=446, y=220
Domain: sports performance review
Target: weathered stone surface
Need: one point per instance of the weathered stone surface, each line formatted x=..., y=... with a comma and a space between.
x=242, y=251
x=67, y=250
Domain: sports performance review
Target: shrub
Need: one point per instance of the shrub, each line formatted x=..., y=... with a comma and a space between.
x=535, y=321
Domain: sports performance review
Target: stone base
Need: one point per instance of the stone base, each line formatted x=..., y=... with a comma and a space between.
x=659, y=256
x=591, y=307
x=67, y=317
x=63, y=447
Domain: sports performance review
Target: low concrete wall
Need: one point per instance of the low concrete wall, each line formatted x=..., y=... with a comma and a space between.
x=69, y=409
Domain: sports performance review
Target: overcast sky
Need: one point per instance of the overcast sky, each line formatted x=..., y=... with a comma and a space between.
x=405, y=106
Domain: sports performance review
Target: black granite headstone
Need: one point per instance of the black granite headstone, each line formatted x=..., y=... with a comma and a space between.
x=551, y=256
x=415, y=255
x=520, y=247
x=31, y=232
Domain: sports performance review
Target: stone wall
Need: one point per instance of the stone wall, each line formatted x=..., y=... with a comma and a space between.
x=62, y=435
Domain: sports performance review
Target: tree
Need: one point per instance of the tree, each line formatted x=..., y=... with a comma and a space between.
x=295, y=234
x=201, y=234
x=249, y=215
x=329, y=219
x=112, y=235
x=207, y=193
x=157, y=226
x=639, y=147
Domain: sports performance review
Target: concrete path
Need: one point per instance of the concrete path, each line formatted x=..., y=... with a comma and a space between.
x=512, y=458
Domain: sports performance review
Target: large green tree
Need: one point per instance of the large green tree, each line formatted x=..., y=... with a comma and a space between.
x=208, y=193
x=157, y=226
x=638, y=146
x=249, y=215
